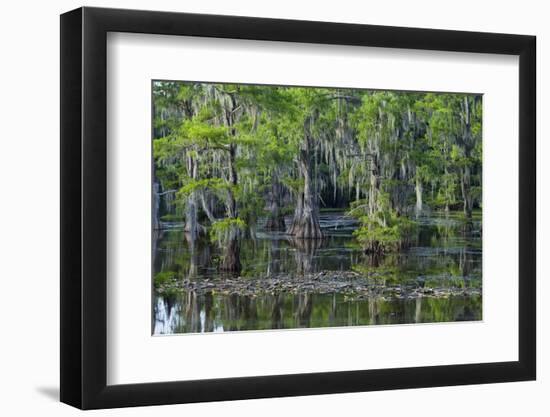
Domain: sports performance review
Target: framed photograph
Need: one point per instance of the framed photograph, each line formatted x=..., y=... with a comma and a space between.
x=257, y=208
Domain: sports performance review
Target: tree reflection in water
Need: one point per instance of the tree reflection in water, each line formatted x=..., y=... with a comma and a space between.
x=447, y=254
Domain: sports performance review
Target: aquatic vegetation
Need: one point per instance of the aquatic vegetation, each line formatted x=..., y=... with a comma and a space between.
x=381, y=229
x=164, y=278
x=380, y=236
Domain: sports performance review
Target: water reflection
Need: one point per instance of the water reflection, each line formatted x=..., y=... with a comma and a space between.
x=189, y=313
x=447, y=255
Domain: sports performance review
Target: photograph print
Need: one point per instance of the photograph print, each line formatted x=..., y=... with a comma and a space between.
x=284, y=207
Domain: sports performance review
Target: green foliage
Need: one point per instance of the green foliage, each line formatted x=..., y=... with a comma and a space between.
x=222, y=228
x=381, y=231
x=164, y=278
x=212, y=184
x=197, y=132
x=228, y=143
x=380, y=236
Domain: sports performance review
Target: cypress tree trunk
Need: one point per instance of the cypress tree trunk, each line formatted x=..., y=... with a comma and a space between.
x=466, y=192
x=156, y=205
x=276, y=219
x=305, y=224
x=191, y=222
x=418, y=189
x=191, y=226
x=467, y=144
x=231, y=258
x=374, y=189
x=231, y=202
x=232, y=254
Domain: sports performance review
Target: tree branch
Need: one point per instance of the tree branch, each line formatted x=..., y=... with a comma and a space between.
x=167, y=192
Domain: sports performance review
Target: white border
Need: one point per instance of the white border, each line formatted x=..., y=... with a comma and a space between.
x=134, y=356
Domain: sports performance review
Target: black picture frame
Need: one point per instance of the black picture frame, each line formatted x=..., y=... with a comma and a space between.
x=84, y=207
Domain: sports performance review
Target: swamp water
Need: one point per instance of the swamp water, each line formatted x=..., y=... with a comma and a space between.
x=286, y=283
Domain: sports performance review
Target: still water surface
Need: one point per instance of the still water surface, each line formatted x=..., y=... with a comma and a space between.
x=446, y=255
